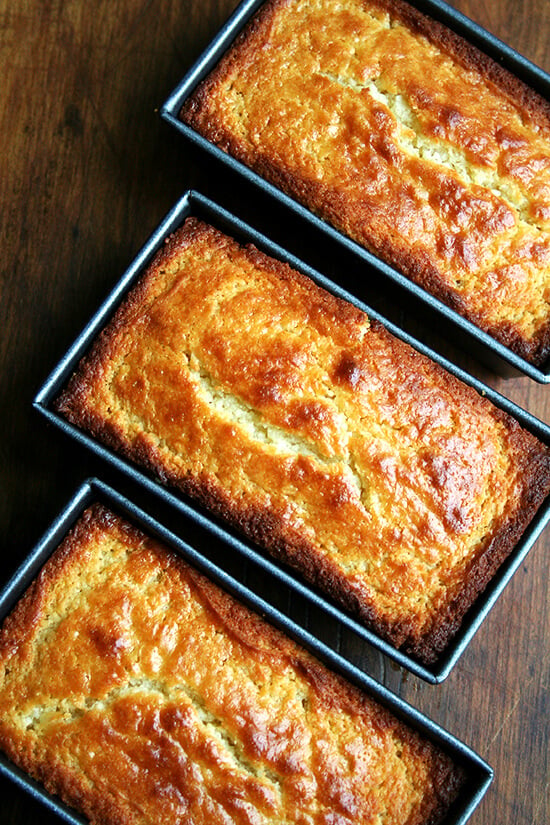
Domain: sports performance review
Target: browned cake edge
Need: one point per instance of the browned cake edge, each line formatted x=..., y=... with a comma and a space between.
x=268, y=529
x=331, y=204
x=236, y=619
x=16, y=634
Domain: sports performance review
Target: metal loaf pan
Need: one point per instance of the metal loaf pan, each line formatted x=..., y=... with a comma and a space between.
x=192, y=203
x=434, y=312
x=478, y=773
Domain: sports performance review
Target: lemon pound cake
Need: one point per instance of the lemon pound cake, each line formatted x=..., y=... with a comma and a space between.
x=140, y=693
x=405, y=138
x=341, y=450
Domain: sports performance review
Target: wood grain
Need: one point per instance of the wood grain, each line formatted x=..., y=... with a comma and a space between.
x=88, y=170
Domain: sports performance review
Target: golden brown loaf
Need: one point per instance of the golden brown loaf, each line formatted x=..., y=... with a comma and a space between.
x=383, y=479
x=141, y=693
x=405, y=138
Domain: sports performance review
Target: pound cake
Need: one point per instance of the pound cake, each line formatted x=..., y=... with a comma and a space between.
x=141, y=693
x=385, y=481
x=405, y=138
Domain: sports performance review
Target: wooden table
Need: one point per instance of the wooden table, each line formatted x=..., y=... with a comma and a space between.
x=88, y=169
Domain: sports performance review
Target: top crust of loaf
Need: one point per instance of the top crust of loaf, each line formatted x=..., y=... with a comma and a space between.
x=140, y=692
x=379, y=476
x=407, y=139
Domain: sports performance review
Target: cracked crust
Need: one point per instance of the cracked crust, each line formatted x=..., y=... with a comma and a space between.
x=405, y=138
x=340, y=450
x=140, y=692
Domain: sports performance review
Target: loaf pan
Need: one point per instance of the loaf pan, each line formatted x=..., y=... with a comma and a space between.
x=192, y=203
x=478, y=773
x=434, y=312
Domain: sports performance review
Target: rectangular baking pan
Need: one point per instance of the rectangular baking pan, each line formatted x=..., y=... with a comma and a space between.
x=479, y=774
x=193, y=203
x=434, y=312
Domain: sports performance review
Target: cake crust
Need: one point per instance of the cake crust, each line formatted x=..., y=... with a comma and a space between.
x=444, y=173
x=340, y=450
x=138, y=691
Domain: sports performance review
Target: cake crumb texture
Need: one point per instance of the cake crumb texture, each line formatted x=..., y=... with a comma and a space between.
x=405, y=138
x=385, y=481
x=141, y=693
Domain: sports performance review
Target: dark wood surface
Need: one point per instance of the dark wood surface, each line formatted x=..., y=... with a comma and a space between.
x=87, y=171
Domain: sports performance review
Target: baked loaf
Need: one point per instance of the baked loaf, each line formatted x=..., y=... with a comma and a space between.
x=341, y=450
x=141, y=693
x=405, y=138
